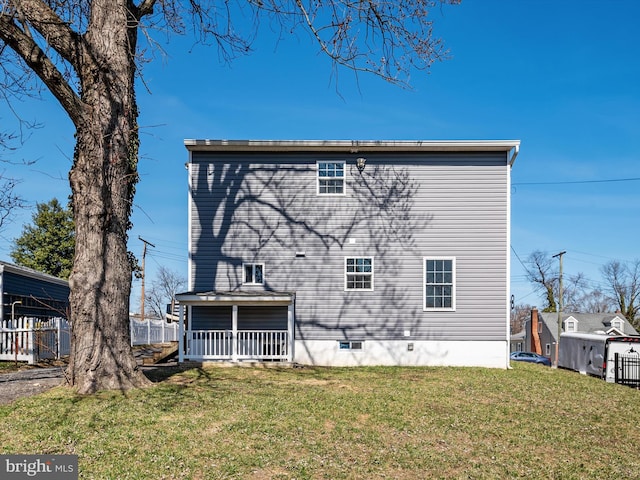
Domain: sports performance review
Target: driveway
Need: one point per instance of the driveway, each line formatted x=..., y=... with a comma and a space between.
x=25, y=383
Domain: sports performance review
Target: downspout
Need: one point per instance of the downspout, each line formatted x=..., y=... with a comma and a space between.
x=189, y=167
x=507, y=255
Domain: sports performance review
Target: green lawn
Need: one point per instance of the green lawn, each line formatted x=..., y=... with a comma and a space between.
x=351, y=423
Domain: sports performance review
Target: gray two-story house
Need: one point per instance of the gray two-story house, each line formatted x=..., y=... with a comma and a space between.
x=349, y=252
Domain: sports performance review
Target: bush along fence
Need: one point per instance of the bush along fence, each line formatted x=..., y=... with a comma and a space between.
x=33, y=339
x=150, y=332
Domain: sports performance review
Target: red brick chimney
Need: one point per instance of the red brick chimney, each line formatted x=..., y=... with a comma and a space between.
x=535, y=336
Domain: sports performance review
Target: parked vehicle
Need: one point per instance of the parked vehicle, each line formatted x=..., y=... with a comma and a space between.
x=595, y=354
x=530, y=357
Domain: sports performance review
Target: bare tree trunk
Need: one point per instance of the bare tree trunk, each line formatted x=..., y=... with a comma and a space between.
x=103, y=181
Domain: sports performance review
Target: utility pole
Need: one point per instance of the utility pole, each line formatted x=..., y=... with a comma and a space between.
x=144, y=254
x=559, y=255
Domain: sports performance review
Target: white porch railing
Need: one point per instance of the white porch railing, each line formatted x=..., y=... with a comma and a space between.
x=248, y=345
x=152, y=332
x=31, y=339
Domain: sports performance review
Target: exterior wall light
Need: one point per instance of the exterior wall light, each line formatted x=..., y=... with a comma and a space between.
x=360, y=163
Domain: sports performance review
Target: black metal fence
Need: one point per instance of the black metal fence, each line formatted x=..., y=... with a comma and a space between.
x=627, y=371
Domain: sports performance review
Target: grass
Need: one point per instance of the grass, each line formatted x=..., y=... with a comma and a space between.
x=330, y=423
x=8, y=367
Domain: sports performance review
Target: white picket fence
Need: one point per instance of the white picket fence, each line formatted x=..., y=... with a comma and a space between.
x=32, y=339
x=152, y=332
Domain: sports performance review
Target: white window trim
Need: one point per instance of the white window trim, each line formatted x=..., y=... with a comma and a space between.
x=253, y=265
x=618, y=324
x=372, y=275
x=453, y=285
x=344, y=178
x=571, y=321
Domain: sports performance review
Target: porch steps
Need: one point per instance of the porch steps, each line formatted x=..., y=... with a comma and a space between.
x=160, y=352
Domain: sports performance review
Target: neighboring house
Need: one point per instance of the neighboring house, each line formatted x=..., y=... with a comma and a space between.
x=518, y=341
x=29, y=293
x=349, y=253
x=542, y=328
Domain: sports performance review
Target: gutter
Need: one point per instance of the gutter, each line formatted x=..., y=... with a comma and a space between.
x=516, y=150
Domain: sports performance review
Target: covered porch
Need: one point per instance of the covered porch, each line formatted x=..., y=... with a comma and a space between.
x=236, y=326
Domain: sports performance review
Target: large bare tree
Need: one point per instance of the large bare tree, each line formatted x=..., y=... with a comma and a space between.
x=86, y=53
x=164, y=288
x=542, y=274
x=623, y=288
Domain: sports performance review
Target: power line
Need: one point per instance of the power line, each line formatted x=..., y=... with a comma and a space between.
x=577, y=182
x=520, y=260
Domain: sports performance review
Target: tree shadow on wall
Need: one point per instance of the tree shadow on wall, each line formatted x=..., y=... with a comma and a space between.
x=248, y=212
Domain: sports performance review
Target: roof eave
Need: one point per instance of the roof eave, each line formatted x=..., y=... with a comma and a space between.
x=353, y=146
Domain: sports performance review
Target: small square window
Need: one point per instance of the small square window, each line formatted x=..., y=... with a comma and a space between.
x=253, y=274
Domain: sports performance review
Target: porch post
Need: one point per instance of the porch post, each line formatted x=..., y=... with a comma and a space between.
x=290, y=331
x=234, y=333
x=180, y=332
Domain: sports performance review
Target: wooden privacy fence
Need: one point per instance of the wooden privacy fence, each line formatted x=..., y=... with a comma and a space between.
x=33, y=339
x=151, y=332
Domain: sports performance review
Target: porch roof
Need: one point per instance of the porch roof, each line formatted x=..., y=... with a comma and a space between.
x=236, y=298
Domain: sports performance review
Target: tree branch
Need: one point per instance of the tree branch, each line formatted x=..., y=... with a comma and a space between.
x=41, y=64
x=145, y=8
x=56, y=32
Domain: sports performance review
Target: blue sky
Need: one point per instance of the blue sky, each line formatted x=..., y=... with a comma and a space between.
x=563, y=77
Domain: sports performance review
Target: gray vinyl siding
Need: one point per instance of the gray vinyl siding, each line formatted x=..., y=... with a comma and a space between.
x=264, y=209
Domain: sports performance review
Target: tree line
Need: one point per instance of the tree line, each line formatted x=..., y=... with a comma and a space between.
x=620, y=290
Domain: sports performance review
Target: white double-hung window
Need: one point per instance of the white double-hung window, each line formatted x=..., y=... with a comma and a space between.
x=330, y=178
x=358, y=273
x=253, y=273
x=439, y=283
